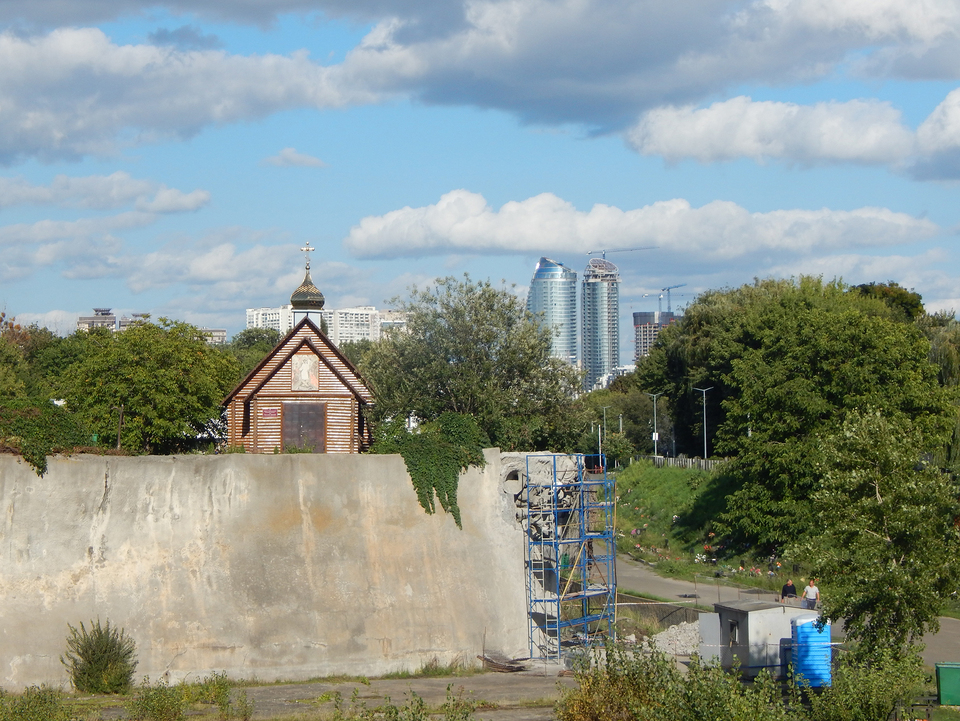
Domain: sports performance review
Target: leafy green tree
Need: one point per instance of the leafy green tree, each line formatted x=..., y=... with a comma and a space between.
x=885, y=539
x=473, y=349
x=166, y=378
x=250, y=346
x=905, y=301
x=354, y=349
x=625, y=403
x=788, y=360
x=11, y=363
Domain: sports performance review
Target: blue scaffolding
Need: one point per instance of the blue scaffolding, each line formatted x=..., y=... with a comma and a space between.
x=571, y=553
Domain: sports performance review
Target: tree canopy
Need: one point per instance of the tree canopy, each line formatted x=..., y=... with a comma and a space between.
x=167, y=379
x=787, y=362
x=250, y=346
x=885, y=535
x=471, y=348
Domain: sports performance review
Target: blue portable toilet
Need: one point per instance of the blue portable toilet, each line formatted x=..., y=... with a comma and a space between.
x=811, y=650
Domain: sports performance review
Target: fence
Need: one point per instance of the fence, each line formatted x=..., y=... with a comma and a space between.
x=700, y=464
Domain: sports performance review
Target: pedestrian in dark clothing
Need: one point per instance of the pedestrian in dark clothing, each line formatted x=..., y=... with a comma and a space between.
x=788, y=590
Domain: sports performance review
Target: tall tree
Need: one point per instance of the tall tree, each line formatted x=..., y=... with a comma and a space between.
x=471, y=348
x=787, y=360
x=168, y=381
x=885, y=534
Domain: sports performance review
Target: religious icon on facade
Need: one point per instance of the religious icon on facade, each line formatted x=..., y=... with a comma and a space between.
x=306, y=373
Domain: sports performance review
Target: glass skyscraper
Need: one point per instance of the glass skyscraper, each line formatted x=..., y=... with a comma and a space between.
x=553, y=298
x=601, y=320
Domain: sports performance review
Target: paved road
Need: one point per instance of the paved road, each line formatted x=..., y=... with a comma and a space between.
x=633, y=576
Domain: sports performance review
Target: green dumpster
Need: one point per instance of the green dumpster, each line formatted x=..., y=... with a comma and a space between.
x=948, y=683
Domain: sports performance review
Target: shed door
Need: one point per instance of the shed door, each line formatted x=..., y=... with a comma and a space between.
x=304, y=425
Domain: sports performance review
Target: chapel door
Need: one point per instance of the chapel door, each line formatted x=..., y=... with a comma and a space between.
x=304, y=425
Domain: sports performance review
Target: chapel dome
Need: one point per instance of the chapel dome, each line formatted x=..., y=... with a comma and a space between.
x=307, y=296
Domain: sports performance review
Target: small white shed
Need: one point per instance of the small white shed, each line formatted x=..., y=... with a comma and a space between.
x=757, y=633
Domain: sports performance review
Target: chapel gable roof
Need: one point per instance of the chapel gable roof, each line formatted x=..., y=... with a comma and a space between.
x=304, y=333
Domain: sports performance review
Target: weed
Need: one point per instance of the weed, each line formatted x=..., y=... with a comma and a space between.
x=101, y=660
x=36, y=703
x=243, y=709
x=157, y=703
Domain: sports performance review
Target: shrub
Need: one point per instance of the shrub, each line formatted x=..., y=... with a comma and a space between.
x=214, y=689
x=34, y=704
x=869, y=691
x=158, y=703
x=101, y=660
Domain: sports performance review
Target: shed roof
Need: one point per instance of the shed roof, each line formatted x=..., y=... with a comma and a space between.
x=748, y=606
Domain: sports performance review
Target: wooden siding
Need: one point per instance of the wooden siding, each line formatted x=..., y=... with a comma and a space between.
x=262, y=394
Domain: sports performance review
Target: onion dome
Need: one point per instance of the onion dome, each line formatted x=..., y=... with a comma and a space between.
x=307, y=297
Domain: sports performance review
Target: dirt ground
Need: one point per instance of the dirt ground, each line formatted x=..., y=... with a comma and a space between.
x=524, y=696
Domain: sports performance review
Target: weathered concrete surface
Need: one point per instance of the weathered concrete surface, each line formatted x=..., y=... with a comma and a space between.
x=268, y=567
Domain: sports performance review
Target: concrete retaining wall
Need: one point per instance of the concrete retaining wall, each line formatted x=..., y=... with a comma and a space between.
x=268, y=567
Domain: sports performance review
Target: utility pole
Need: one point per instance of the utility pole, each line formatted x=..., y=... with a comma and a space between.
x=704, y=391
x=119, y=423
x=656, y=436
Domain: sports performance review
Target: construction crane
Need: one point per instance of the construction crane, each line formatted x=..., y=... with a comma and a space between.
x=667, y=291
x=603, y=253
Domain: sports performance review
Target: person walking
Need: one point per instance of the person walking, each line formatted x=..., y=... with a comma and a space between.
x=788, y=590
x=810, y=596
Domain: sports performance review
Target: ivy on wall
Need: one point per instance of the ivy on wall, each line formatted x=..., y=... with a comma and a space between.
x=435, y=454
x=38, y=429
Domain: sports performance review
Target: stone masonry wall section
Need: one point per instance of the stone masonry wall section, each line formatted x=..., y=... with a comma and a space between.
x=267, y=567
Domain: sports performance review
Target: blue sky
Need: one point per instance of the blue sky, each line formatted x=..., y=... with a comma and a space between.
x=173, y=158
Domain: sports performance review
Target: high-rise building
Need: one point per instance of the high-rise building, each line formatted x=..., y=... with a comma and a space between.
x=600, y=332
x=646, y=328
x=553, y=298
x=352, y=324
x=280, y=318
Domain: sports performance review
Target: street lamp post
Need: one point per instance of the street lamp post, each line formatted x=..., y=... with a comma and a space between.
x=656, y=436
x=704, y=391
x=604, y=427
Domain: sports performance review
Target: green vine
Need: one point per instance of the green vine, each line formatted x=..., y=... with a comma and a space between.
x=36, y=429
x=435, y=455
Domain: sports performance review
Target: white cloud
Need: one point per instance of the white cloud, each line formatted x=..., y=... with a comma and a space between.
x=941, y=130
x=601, y=61
x=87, y=247
x=918, y=20
x=74, y=92
x=61, y=322
x=289, y=157
x=100, y=192
x=858, y=131
x=863, y=131
x=171, y=200
x=723, y=231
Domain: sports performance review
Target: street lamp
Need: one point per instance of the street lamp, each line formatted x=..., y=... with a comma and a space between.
x=604, y=426
x=704, y=391
x=656, y=436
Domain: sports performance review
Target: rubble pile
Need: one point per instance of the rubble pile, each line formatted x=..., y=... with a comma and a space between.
x=680, y=640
